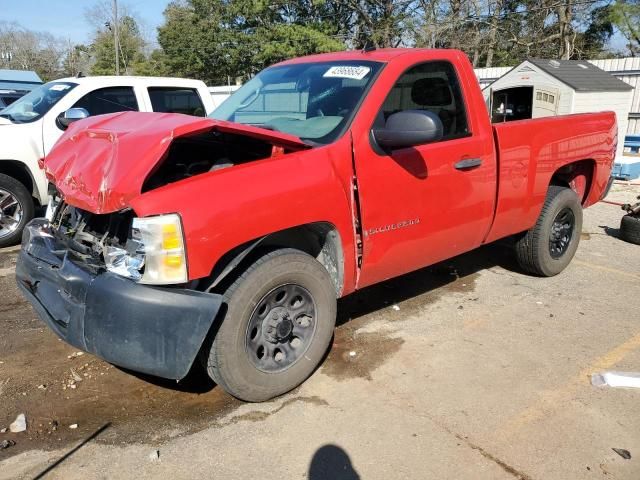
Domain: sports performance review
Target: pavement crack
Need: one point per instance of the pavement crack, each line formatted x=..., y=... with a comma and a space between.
x=259, y=415
x=502, y=464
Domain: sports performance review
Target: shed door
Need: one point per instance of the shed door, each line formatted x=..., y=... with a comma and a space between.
x=545, y=102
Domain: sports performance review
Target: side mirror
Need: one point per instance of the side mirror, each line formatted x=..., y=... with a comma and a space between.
x=70, y=116
x=409, y=128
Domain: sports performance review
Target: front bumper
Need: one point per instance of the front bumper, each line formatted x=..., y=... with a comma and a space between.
x=154, y=330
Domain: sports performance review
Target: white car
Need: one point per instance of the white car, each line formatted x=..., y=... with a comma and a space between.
x=31, y=125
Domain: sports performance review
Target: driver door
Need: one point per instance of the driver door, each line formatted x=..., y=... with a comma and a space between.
x=426, y=203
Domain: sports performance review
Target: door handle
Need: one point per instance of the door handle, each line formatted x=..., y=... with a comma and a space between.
x=468, y=163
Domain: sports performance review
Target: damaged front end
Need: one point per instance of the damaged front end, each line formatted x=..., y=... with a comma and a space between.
x=74, y=268
x=115, y=284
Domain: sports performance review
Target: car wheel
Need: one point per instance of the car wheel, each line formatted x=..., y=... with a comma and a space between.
x=16, y=210
x=630, y=229
x=548, y=247
x=279, y=322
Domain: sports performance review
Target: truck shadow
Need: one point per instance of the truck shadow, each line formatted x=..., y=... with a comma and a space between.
x=439, y=279
x=435, y=278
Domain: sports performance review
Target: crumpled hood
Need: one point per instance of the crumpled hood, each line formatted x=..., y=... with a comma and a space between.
x=100, y=163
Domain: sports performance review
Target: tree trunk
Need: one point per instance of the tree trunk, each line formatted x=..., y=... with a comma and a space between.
x=566, y=35
x=493, y=31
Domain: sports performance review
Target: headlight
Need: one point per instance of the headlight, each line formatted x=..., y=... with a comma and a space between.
x=156, y=253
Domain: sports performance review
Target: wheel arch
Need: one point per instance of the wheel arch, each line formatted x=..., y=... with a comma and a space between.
x=19, y=170
x=578, y=176
x=321, y=240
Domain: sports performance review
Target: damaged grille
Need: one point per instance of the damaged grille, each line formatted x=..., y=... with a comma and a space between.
x=86, y=234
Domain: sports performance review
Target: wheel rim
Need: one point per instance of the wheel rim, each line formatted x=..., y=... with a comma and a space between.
x=11, y=213
x=281, y=328
x=561, y=232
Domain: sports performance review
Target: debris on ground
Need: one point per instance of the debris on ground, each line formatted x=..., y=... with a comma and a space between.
x=154, y=456
x=352, y=354
x=396, y=308
x=73, y=426
x=74, y=355
x=3, y=430
x=19, y=425
x=76, y=377
x=42, y=387
x=623, y=453
x=616, y=379
x=6, y=444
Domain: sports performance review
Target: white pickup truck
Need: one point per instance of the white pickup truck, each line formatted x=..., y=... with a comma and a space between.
x=30, y=127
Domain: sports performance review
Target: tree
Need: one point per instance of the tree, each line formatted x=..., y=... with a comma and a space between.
x=131, y=47
x=77, y=59
x=592, y=43
x=24, y=49
x=218, y=40
x=625, y=15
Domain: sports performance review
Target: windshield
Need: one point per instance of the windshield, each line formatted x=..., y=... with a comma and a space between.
x=313, y=101
x=36, y=103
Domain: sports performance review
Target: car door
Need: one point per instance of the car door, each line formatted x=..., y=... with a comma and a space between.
x=97, y=102
x=426, y=203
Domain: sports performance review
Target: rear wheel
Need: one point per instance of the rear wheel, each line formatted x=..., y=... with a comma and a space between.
x=548, y=247
x=280, y=317
x=16, y=210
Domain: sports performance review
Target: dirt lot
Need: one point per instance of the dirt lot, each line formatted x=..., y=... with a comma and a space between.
x=469, y=369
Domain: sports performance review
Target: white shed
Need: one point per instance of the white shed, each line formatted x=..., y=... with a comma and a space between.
x=541, y=88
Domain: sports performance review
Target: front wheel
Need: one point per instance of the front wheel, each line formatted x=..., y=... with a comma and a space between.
x=279, y=322
x=16, y=210
x=548, y=247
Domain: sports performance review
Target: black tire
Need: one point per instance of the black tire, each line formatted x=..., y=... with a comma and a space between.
x=534, y=249
x=630, y=229
x=232, y=361
x=25, y=202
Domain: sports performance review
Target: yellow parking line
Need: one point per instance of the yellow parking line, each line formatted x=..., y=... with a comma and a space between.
x=606, y=269
x=552, y=400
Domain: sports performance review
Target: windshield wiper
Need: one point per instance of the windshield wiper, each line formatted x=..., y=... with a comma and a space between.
x=8, y=117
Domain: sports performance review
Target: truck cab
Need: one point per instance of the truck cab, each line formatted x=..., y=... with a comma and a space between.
x=32, y=124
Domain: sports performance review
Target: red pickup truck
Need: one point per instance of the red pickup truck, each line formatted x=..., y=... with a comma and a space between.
x=228, y=239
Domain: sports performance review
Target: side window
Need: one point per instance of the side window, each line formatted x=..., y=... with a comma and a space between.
x=108, y=100
x=176, y=100
x=430, y=86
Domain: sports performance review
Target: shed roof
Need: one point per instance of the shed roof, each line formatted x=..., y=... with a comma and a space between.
x=581, y=75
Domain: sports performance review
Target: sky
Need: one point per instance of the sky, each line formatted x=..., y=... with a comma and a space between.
x=66, y=18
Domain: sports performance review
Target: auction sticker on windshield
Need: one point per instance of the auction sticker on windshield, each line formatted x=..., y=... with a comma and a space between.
x=353, y=72
x=59, y=87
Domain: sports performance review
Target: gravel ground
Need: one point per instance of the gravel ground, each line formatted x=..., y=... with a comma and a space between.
x=468, y=369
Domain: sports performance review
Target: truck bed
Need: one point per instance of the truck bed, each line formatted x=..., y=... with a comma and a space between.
x=530, y=151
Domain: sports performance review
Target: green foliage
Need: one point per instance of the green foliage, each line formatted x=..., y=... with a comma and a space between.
x=218, y=40
x=131, y=48
x=625, y=14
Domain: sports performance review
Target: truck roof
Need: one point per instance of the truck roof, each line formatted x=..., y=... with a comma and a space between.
x=133, y=80
x=379, y=55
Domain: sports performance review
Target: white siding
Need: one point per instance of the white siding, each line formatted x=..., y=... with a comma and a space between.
x=486, y=76
x=611, y=101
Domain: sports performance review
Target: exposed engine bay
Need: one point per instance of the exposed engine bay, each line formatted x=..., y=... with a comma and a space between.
x=86, y=234
x=206, y=152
